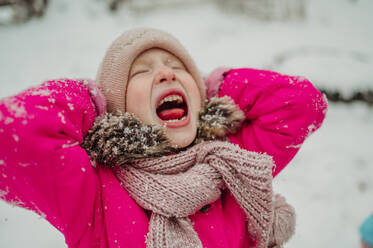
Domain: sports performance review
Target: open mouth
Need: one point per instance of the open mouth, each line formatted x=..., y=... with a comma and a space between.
x=172, y=108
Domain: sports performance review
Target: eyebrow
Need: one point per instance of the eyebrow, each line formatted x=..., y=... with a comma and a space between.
x=141, y=61
x=173, y=59
x=138, y=65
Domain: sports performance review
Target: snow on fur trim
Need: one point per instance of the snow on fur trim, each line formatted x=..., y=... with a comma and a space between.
x=220, y=117
x=117, y=138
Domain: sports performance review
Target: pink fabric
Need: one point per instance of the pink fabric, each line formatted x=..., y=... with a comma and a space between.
x=96, y=94
x=214, y=80
x=43, y=168
x=282, y=111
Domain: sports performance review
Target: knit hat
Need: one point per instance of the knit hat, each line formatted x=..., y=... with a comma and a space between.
x=113, y=74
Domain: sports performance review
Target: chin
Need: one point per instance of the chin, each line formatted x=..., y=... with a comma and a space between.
x=181, y=138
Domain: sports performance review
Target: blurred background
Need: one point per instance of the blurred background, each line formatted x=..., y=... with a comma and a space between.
x=329, y=182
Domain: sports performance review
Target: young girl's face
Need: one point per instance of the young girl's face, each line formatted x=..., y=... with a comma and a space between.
x=161, y=91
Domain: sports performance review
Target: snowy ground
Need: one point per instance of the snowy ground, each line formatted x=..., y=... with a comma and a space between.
x=330, y=181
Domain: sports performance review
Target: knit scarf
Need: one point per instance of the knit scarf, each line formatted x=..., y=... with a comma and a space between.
x=175, y=186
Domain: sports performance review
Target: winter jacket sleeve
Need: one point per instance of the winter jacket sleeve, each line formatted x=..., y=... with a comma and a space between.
x=42, y=166
x=281, y=111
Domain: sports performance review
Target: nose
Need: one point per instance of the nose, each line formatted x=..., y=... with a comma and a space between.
x=165, y=74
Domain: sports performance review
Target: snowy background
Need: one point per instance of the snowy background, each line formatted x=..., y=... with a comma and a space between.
x=330, y=181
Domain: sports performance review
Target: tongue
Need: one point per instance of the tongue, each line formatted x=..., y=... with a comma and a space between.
x=171, y=114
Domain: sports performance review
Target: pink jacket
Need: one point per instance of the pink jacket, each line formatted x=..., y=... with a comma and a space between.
x=43, y=168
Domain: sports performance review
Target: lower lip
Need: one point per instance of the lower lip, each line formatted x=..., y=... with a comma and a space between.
x=176, y=124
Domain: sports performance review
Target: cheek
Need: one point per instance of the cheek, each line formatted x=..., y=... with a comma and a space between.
x=195, y=96
x=192, y=90
x=137, y=100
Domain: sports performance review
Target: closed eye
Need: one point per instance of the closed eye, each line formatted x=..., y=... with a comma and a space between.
x=177, y=66
x=136, y=73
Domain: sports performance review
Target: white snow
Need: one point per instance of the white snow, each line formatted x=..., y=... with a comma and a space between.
x=4, y=192
x=41, y=92
x=329, y=182
x=8, y=120
x=71, y=106
x=41, y=107
x=69, y=144
x=15, y=137
x=15, y=107
x=63, y=120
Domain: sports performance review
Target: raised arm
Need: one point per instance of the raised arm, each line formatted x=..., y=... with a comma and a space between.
x=281, y=111
x=42, y=166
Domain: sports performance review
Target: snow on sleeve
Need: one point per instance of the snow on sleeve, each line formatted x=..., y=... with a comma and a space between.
x=42, y=166
x=312, y=105
x=281, y=111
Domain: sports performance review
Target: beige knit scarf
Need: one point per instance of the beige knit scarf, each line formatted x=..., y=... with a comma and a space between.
x=176, y=186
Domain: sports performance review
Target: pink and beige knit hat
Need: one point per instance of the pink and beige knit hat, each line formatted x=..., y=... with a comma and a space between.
x=113, y=74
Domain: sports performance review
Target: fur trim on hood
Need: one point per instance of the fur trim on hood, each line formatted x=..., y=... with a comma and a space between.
x=117, y=138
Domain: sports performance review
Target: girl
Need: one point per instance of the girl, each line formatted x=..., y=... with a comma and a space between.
x=156, y=157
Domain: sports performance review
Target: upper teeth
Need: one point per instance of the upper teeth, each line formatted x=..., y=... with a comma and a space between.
x=171, y=98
